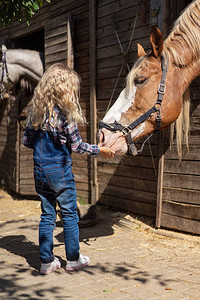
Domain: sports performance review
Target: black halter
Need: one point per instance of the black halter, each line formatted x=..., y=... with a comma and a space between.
x=126, y=130
x=4, y=71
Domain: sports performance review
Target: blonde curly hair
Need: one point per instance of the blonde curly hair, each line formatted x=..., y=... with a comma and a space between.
x=59, y=86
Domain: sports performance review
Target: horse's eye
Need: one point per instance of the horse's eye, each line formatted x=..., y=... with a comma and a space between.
x=139, y=80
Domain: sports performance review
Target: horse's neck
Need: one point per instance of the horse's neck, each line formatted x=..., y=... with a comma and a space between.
x=182, y=44
x=24, y=63
x=186, y=67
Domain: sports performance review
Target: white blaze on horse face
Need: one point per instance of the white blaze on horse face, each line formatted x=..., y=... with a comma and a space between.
x=122, y=104
x=116, y=140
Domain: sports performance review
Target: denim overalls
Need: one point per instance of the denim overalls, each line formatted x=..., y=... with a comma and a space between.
x=54, y=182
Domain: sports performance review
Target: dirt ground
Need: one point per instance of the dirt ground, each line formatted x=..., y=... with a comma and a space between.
x=15, y=208
x=130, y=259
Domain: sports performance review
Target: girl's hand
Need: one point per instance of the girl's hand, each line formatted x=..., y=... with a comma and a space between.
x=106, y=152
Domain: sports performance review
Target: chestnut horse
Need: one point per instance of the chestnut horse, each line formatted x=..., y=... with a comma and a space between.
x=153, y=97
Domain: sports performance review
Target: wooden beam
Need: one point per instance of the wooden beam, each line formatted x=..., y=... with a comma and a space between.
x=93, y=114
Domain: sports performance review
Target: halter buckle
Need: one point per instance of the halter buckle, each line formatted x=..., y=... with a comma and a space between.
x=126, y=130
x=161, y=88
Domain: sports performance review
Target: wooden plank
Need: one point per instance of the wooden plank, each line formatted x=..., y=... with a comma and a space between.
x=59, y=30
x=28, y=190
x=181, y=195
x=76, y=7
x=139, y=161
x=55, y=57
x=127, y=205
x=116, y=8
x=59, y=39
x=128, y=182
x=105, y=2
x=187, y=211
x=60, y=20
x=27, y=181
x=56, y=48
x=136, y=172
x=183, y=167
x=122, y=27
x=194, y=153
x=82, y=186
x=114, y=50
x=128, y=193
x=106, y=41
x=181, y=224
x=181, y=181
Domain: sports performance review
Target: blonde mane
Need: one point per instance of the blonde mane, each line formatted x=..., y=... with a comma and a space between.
x=186, y=27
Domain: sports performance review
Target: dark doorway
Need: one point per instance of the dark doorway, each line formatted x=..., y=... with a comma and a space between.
x=32, y=41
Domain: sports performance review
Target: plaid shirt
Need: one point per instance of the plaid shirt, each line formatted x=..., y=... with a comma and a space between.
x=62, y=133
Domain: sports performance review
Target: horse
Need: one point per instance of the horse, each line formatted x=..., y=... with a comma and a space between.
x=156, y=92
x=19, y=65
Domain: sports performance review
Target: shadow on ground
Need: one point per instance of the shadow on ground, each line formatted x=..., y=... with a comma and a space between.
x=12, y=285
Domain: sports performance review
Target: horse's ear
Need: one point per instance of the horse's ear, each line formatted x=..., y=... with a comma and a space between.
x=141, y=51
x=156, y=40
x=4, y=48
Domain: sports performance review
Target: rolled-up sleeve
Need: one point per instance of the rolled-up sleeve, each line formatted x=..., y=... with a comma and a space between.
x=77, y=145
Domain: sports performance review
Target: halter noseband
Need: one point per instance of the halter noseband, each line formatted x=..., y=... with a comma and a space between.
x=126, y=130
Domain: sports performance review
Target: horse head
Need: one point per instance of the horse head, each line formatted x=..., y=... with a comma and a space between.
x=16, y=64
x=136, y=112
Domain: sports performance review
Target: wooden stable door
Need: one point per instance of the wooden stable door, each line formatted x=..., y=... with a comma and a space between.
x=58, y=41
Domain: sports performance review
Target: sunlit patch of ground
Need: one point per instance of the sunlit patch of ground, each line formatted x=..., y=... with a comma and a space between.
x=11, y=208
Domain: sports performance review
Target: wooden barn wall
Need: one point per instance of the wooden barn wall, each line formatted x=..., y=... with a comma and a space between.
x=19, y=165
x=128, y=183
x=181, y=183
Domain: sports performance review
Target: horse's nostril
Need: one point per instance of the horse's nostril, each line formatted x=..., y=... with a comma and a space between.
x=101, y=137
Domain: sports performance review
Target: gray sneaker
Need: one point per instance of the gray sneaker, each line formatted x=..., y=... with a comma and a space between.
x=82, y=262
x=49, y=267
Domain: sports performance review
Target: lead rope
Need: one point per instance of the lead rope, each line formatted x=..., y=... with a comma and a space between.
x=152, y=159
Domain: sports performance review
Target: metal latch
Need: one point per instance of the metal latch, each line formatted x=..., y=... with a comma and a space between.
x=155, y=11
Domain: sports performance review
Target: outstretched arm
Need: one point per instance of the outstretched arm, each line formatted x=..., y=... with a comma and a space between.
x=79, y=146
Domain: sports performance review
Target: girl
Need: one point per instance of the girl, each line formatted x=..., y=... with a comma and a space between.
x=53, y=134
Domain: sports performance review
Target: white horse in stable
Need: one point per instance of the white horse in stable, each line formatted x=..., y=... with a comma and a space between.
x=17, y=64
